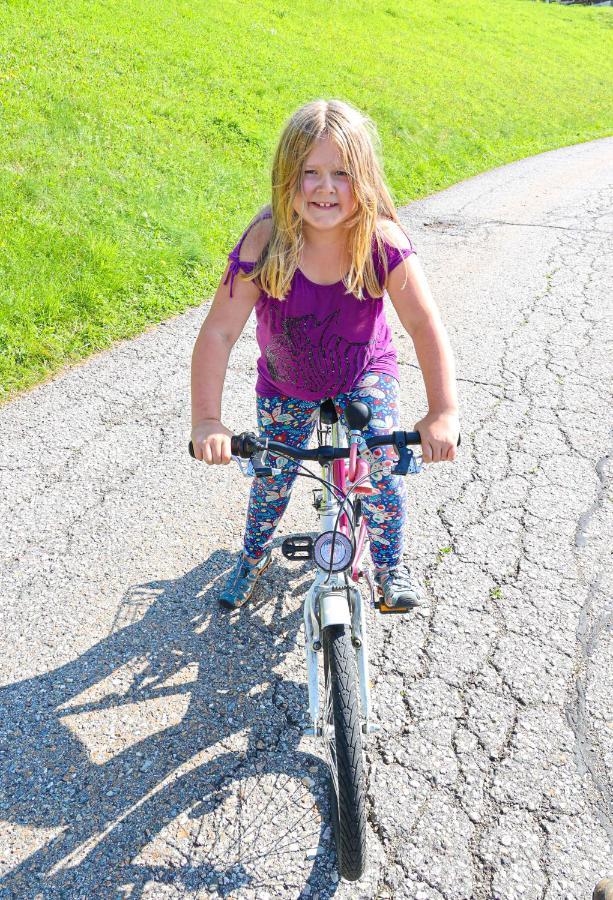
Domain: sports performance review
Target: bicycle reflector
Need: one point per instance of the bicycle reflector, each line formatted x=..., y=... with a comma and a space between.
x=333, y=551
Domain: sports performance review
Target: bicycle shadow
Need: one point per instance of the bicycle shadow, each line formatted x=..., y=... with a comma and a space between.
x=121, y=770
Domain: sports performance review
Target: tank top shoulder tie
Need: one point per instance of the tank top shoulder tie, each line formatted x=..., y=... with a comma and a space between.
x=236, y=264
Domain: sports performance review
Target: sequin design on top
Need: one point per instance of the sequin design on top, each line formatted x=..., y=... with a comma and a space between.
x=320, y=339
x=311, y=354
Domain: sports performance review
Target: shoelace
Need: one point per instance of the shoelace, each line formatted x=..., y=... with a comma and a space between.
x=247, y=571
x=240, y=572
x=400, y=578
x=403, y=578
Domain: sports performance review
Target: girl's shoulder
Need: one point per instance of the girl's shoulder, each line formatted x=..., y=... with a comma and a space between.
x=393, y=234
x=397, y=243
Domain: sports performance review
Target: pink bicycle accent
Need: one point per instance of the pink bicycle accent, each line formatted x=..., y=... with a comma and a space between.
x=354, y=471
x=339, y=478
x=353, y=458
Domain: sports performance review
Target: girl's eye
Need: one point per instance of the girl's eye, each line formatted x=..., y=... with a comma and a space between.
x=311, y=171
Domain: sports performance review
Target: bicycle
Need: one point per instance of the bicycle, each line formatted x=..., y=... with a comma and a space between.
x=334, y=618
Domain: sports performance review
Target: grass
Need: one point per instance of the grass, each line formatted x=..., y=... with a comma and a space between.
x=137, y=137
x=443, y=552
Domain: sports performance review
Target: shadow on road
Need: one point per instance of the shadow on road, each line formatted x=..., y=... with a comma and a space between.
x=166, y=755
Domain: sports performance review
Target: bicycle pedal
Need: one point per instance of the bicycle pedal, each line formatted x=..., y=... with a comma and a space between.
x=299, y=546
x=384, y=609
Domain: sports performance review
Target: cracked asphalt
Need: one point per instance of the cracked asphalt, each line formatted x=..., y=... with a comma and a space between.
x=151, y=745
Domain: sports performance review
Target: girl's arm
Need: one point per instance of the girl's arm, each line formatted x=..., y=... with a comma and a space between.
x=220, y=331
x=418, y=313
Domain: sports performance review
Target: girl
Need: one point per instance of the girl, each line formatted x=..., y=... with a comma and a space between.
x=315, y=265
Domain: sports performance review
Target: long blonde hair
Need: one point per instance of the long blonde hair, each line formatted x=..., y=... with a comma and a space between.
x=357, y=140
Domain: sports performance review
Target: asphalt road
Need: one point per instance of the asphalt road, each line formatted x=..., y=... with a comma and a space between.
x=151, y=745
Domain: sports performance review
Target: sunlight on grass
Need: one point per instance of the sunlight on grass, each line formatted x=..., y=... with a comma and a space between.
x=137, y=137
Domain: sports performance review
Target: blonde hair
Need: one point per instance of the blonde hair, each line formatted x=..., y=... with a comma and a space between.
x=357, y=140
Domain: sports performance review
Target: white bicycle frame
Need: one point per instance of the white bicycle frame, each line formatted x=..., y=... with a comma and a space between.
x=334, y=599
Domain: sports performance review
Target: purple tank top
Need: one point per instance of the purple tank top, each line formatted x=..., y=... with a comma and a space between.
x=319, y=341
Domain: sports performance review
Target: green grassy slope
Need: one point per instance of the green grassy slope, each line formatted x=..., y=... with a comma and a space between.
x=137, y=137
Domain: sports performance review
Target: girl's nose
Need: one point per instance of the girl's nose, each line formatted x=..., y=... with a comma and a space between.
x=326, y=184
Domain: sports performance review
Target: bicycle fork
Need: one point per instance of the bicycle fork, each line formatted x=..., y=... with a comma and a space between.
x=328, y=604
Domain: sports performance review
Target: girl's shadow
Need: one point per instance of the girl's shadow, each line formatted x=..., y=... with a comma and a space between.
x=167, y=753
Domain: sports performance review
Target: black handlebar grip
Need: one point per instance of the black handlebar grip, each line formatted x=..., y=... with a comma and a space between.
x=240, y=445
x=243, y=444
x=235, y=444
x=413, y=437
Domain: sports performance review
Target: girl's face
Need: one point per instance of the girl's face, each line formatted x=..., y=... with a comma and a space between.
x=326, y=198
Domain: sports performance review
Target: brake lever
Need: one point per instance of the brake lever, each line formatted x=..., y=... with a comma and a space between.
x=416, y=464
x=256, y=466
x=260, y=467
x=408, y=463
x=244, y=466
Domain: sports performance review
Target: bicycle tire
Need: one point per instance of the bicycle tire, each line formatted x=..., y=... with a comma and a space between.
x=348, y=794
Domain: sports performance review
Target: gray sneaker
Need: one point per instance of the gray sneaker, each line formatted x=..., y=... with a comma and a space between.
x=241, y=583
x=398, y=589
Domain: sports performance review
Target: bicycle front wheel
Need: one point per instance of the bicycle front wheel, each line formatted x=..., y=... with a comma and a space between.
x=343, y=739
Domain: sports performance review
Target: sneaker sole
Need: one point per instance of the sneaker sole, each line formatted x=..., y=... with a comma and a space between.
x=227, y=605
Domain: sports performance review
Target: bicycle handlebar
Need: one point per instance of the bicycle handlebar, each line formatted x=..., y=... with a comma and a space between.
x=247, y=445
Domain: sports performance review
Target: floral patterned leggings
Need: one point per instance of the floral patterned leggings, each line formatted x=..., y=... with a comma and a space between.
x=293, y=421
